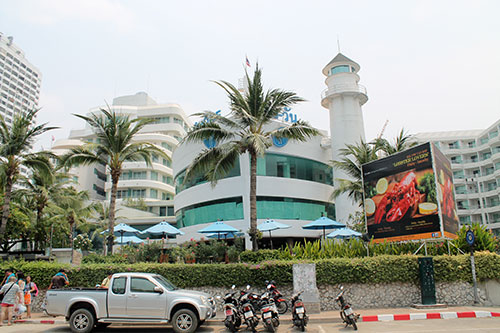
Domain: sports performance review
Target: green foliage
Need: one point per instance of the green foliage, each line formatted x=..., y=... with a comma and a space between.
x=484, y=239
x=94, y=258
x=259, y=256
x=379, y=269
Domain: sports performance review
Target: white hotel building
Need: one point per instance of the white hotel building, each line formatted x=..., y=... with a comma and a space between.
x=475, y=161
x=138, y=181
x=19, y=82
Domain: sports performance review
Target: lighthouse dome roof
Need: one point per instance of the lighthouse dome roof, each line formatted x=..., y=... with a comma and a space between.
x=340, y=59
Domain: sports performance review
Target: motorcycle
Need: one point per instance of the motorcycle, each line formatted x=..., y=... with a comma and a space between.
x=270, y=316
x=299, y=316
x=281, y=303
x=230, y=308
x=346, y=312
x=247, y=309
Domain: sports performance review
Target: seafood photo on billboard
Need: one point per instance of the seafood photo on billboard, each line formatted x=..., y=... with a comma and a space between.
x=400, y=196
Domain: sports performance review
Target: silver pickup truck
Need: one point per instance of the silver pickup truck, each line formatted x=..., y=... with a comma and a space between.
x=131, y=298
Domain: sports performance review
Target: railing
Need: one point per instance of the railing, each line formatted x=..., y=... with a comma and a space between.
x=340, y=88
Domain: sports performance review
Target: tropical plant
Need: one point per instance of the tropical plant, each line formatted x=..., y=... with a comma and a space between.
x=114, y=146
x=401, y=142
x=351, y=159
x=484, y=238
x=74, y=208
x=245, y=130
x=16, y=141
x=39, y=191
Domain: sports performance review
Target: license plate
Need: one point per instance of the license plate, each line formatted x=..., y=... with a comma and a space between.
x=248, y=314
x=348, y=311
x=267, y=314
x=299, y=310
x=229, y=312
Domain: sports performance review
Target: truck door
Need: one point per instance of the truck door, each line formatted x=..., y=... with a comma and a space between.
x=117, y=298
x=143, y=301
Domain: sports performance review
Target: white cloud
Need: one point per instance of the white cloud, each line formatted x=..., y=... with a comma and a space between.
x=51, y=12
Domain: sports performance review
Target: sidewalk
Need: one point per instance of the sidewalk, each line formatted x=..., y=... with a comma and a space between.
x=379, y=314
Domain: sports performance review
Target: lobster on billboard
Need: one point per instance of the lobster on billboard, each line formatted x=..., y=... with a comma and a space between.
x=410, y=196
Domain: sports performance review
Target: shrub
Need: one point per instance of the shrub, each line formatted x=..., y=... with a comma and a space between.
x=378, y=269
x=259, y=256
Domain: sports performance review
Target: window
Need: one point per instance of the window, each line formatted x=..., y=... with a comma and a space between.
x=119, y=285
x=154, y=175
x=166, y=146
x=163, y=211
x=181, y=185
x=141, y=285
x=340, y=69
x=464, y=219
x=153, y=193
x=170, y=211
x=276, y=165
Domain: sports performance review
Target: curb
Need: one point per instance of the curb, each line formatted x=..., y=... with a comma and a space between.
x=431, y=315
x=40, y=321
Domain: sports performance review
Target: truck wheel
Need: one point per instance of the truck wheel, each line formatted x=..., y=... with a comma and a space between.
x=81, y=321
x=184, y=321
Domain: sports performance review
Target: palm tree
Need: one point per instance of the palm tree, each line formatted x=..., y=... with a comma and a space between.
x=16, y=142
x=73, y=207
x=352, y=157
x=42, y=188
x=115, y=134
x=245, y=130
x=401, y=142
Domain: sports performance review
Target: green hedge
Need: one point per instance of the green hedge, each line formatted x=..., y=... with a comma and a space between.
x=259, y=256
x=380, y=269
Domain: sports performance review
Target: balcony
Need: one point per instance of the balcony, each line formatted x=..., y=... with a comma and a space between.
x=344, y=88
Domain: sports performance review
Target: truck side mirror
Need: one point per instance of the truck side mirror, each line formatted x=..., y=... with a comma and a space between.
x=158, y=290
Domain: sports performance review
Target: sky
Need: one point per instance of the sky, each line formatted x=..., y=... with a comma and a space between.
x=427, y=65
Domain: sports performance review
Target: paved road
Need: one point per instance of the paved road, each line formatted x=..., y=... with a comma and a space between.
x=482, y=325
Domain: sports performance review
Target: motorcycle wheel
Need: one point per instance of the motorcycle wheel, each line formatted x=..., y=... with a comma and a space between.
x=353, y=323
x=282, y=307
x=230, y=325
x=270, y=326
x=302, y=326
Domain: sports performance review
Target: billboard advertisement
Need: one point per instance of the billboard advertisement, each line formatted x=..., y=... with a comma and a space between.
x=404, y=194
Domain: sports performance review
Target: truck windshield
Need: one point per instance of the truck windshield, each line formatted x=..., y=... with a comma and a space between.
x=165, y=283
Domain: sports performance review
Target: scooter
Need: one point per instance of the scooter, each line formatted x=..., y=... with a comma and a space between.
x=270, y=316
x=230, y=308
x=299, y=316
x=281, y=303
x=249, y=315
x=346, y=312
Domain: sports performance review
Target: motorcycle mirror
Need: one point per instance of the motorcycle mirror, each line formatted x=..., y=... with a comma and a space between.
x=233, y=286
x=248, y=287
x=341, y=287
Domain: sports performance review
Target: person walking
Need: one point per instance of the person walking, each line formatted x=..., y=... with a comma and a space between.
x=8, y=274
x=30, y=291
x=12, y=295
x=20, y=307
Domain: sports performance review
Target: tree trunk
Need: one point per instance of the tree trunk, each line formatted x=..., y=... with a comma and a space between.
x=253, y=201
x=71, y=222
x=115, y=176
x=6, y=202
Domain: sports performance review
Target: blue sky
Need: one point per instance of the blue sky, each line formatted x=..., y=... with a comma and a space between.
x=427, y=65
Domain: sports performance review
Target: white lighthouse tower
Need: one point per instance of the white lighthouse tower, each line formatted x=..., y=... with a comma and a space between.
x=344, y=98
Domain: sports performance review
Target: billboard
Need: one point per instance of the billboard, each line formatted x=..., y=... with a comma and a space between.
x=410, y=196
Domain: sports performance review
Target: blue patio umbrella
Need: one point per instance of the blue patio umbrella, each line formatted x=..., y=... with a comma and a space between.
x=218, y=228
x=323, y=223
x=163, y=228
x=123, y=229
x=226, y=235
x=130, y=239
x=270, y=225
x=343, y=233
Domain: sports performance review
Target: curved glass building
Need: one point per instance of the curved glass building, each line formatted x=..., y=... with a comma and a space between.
x=294, y=185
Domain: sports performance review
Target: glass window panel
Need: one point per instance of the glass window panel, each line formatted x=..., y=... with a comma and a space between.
x=119, y=285
x=141, y=285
